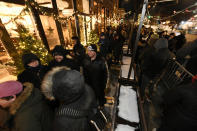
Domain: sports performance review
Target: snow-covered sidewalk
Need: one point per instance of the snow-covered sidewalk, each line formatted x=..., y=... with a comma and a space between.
x=121, y=127
x=125, y=67
x=128, y=106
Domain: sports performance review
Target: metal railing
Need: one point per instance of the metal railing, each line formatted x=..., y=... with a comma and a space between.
x=174, y=74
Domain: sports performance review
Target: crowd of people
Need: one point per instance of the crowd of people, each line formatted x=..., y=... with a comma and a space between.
x=50, y=97
x=176, y=106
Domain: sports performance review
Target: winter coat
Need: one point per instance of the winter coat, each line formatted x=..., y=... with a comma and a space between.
x=65, y=62
x=83, y=98
x=33, y=75
x=79, y=53
x=181, y=108
x=104, y=47
x=4, y=120
x=96, y=76
x=69, y=123
x=117, y=48
x=29, y=112
x=79, y=50
x=192, y=65
x=154, y=59
x=188, y=49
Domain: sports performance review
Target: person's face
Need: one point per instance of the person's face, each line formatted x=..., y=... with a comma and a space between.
x=6, y=103
x=117, y=37
x=59, y=58
x=34, y=63
x=91, y=54
x=74, y=41
x=103, y=37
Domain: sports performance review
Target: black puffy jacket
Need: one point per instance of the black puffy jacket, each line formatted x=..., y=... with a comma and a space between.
x=65, y=62
x=33, y=75
x=181, y=108
x=96, y=76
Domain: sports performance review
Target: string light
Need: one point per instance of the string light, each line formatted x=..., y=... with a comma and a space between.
x=174, y=13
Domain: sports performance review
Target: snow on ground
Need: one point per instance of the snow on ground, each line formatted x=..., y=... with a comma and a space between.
x=128, y=108
x=125, y=67
x=126, y=60
x=121, y=127
x=125, y=71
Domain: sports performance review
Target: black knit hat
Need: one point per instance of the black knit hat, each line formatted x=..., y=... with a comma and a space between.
x=75, y=38
x=29, y=57
x=59, y=50
x=68, y=85
x=102, y=34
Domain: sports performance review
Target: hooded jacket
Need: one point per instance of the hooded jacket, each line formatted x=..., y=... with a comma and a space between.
x=72, y=94
x=33, y=75
x=59, y=50
x=29, y=112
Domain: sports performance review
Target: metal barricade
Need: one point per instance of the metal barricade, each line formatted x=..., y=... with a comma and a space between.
x=174, y=74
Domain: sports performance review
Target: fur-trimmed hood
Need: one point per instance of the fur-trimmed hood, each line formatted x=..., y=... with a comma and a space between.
x=47, y=83
x=21, y=98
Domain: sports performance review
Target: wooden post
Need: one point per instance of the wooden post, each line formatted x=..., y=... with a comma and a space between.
x=104, y=18
x=7, y=42
x=74, y=2
x=58, y=24
x=85, y=26
x=38, y=24
x=91, y=2
x=97, y=16
x=101, y=17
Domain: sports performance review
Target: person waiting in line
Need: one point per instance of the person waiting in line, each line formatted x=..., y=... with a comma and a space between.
x=34, y=71
x=78, y=50
x=104, y=45
x=180, y=112
x=22, y=108
x=69, y=88
x=96, y=73
x=152, y=62
x=60, y=59
x=117, y=48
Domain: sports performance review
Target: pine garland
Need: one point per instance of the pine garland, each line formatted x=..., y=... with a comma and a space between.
x=93, y=38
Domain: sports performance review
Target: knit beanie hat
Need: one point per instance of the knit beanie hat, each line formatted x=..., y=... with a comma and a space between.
x=59, y=50
x=161, y=43
x=92, y=47
x=10, y=88
x=29, y=57
x=68, y=85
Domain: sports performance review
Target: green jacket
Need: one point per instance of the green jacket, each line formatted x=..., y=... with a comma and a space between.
x=30, y=112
